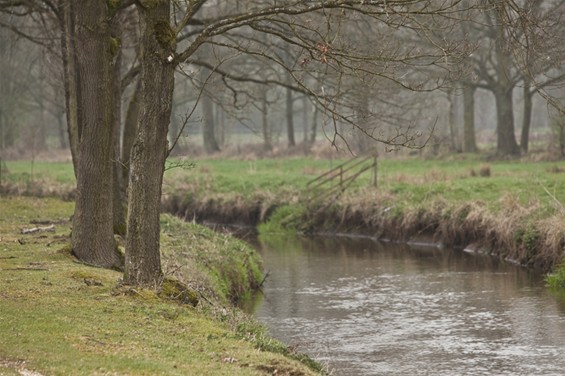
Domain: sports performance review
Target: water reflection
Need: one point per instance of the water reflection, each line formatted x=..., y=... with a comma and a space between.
x=370, y=309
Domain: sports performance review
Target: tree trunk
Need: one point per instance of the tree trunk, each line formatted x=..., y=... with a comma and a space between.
x=314, y=125
x=361, y=129
x=221, y=122
x=92, y=235
x=208, y=126
x=290, y=117
x=69, y=55
x=143, y=259
x=63, y=142
x=305, y=110
x=469, y=140
x=119, y=205
x=506, y=139
x=265, y=127
x=453, y=120
x=527, y=120
x=130, y=130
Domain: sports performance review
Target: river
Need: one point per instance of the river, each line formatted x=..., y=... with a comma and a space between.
x=364, y=308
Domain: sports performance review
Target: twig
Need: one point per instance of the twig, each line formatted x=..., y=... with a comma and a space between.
x=32, y=230
x=557, y=202
x=264, y=278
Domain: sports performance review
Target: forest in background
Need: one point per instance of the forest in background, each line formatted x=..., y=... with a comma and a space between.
x=504, y=83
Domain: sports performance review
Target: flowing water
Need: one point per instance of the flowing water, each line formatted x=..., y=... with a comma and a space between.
x=364, y=308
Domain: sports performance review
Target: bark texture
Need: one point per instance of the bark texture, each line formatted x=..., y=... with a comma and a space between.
x=130, y=129
x=119, y=197
x=143, y=260
x=92, y=236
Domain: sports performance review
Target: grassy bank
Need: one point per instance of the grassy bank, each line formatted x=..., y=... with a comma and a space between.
x=59, y=317
x=511, y=209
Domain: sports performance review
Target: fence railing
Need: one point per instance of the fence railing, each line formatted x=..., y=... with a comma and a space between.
x=335, y=181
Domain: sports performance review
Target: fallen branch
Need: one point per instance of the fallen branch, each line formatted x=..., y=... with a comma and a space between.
x=32, y=230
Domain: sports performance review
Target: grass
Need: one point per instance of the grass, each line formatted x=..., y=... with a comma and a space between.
x=556, y=280
x=410, y=179
x=60, y=317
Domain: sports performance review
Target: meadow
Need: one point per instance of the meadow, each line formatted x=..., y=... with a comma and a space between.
x=465, y=178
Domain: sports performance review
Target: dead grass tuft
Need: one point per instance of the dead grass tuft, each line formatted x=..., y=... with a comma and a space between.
x=484, y=171
x=555, y=170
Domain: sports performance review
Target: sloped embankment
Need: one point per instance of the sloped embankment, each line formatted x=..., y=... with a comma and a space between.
x=61, y=317
x=515, y=233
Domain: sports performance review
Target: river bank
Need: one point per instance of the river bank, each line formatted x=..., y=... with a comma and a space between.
x=62, y=317
x=508, y=209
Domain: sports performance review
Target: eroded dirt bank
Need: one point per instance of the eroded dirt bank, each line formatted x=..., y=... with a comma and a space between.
x=510, y=234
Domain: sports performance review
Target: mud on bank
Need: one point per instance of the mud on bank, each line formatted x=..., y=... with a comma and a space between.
x=523, y=235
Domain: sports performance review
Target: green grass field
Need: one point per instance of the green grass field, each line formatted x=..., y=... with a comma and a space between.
x=411, y=181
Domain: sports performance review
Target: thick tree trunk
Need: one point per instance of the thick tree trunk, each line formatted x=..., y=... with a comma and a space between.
x=93, y=236
x=143, y=259
x=506, y=139
x=469, y=140
x=527, y=119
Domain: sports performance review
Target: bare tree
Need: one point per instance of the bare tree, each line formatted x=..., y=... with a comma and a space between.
x=538, y=49
x=317, y=36
x=512, y=38
x=171, y=35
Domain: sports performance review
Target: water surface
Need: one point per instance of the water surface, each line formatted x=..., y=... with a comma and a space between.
x=364, y=308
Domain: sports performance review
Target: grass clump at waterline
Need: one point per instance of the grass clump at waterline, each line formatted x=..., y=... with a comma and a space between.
x=556, y=280
x=58, y=316
x=287, y=219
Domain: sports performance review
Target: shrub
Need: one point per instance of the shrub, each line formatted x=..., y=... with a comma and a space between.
x=556, y=279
